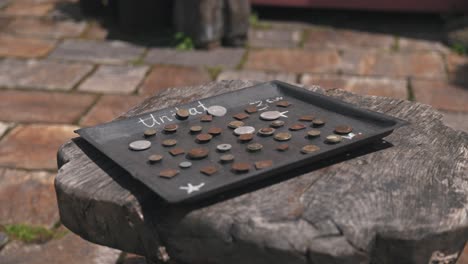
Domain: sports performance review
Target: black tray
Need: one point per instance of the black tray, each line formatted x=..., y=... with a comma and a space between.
x=113, y=138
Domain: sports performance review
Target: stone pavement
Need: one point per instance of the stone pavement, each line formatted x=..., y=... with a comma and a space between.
x=59, y=71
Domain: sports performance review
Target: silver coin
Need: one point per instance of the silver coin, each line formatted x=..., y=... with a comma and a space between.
x=223, y=147
x=185, y=164
x=140, y=145
x=270, y=115
x=244, y=130
x=217, y=110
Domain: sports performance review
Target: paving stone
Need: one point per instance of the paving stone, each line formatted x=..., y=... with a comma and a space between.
x=11, y=46
x=464, y=256
x=441, y=95
x=70, y=249
x=424, y=65
x=114, y=79
x=43, y=74
x=220, y=57
x=347, y=39
x=380, y=86
x=256, y=75
x=45, y=28
x=456, y=120
x=34, y=146
x=165, y=76
x=457, y=67
x=97, y=51
x=4, y=127
x=274, y=38
x=96, y=31
x=26, y=8
x=110, y=107
x=412, y=44
x=22, y=106
x=295, y=61
x=31, y=198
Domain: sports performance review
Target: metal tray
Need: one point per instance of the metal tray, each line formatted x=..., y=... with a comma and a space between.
x=113, y=138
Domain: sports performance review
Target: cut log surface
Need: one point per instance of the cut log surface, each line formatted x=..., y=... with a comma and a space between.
x=407, y=203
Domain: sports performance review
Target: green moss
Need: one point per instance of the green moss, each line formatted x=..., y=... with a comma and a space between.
x=256, y=23
x=29, y=234
x=183, y=42
x=214, y=72
x=459, y=49
x=396, y=44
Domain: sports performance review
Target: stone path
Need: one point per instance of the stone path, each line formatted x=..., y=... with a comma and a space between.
x=59, y=72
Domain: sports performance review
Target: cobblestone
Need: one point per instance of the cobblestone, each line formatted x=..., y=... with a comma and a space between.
x=257, y=75
x=221, y=57
x=21, y=47
x=109, y=107
x=28, y=8
x=347, y=39
x=457, y=67
x=274, y=38
x=45, y=28
x=441, y=95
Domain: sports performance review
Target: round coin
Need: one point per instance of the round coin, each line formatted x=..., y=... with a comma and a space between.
x=277, y=123
x=182, y=114
x=139, y=145
x=283, y=103
x=270, y=115
x=226, y=158
x=313, y=133
x=307, y=118
x=333, y=139
x=169, y=142
x=283, y=136
x=223, y=147
x=254, y=147
x=240, y=167
x=318, y=122
x=217, y=110
x=235, y=124
x=171, y=128
x=150, y=132
x=198, y=153
x=185, y=164
x=309, y=149
x=282, y=147
x=246, y=137
x=204, y=138
x=214, y=131
x=196, y=129
x=343, y=129
x=155, y=158
x=244, y=130
x=297, y=127
x=266, y=131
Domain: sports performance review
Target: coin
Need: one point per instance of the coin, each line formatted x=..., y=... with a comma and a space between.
x=223, y=147
x=240, y=116
x=283, y=103
x=139, y=145
x=214, y=131
x=262, y=164
x=244, y=130
x=217, y=110
x=177, y=151
x=150, y=132
x=246, y=137
x=254, y=147
x=155, y=158
x=283, y=136
x=333, y=139
x=282, y=147
x=209, y=170
x=308, y=118
x=343, y=129
x=277, y=123
x=309, y=149
x=198, y=153
x=206, y=118
x=297, y=127
x=251, y=109
x=185, y=164
x=270, y=115
x=226, y=158
x=235, y=124
x=171, y=128
x=169, y=142
x=202, y=138
x=168, y=173
x=313, y=133
x=240, y=167
x=318, y=122
x=266, y=131
x=182, y=114
x=196, y=129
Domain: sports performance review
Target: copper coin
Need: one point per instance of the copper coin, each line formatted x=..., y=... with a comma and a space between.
x=240, y=167
x=171, y=128
x=283, y=136
x=318, y=122
x=262, y=164
x=297, y=127
x=182, y=114
x=235, y=124
x=155, y=158
x=168, y=173
x=343, y=129
x=246, y=137
x=169, y=142
x=333, y=139
x=150, y=132
x=309, y=149
x=308, y=118
x=277, y=123
x=214, y=131
x=254, y=147
x=206, y=118
x=283, y=103
x=266, y=131
x=209, y=170
x=177, y=151
x=251, y=109
x=204, y=138
x=282, y=147
x=226, y=158
x=240, y=116
x=196, y=129
x=198, y=153
x=313, y=133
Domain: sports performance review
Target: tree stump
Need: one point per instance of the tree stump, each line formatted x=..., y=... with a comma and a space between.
x=407, y=203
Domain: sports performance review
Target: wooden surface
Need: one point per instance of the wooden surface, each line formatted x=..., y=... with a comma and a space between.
x=406, y=202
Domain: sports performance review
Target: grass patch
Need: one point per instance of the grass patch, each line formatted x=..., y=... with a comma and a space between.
x=410, y=91
x=396, y=44
x=29, y=234
x=256, y=23
x=459, y=48
x=214, y=72
x=183, y=42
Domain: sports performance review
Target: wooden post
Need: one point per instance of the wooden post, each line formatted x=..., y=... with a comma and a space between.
x=236, y=22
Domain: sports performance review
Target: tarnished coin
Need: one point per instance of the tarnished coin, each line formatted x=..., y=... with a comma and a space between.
x=309, y=149
x=282, y=147
x=155, y=158
x=177, y=151
x=270, y=115
x=254, y=147
x=217, y=110
x=283, y=136
x=139, y=145
x=209, y=170
x=263, y=164
x=343, y=129
x=150, y=132
x=196, y=129
x=206, y=118
x=251, y=109
x=202, y=138
x=277, y=123
x=226, y=158
x=297, y=127
x=214, y=131
x=168, y=173
x=266, y=131
x=171, y=128
x=198, y=153
x=235, y=124
x=169, y=142
x=185, y=164
x=224, y=147
x=318, y=122
x=246, y=137
x=182, y=114
x=283, y=103
x=333, y=139
x=240, y=167
x=307, y=118
x=241, y=116
x=244, y=130
x=313, y=133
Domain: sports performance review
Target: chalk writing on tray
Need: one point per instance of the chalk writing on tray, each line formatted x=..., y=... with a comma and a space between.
x=156, y=120
x=263, y=104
